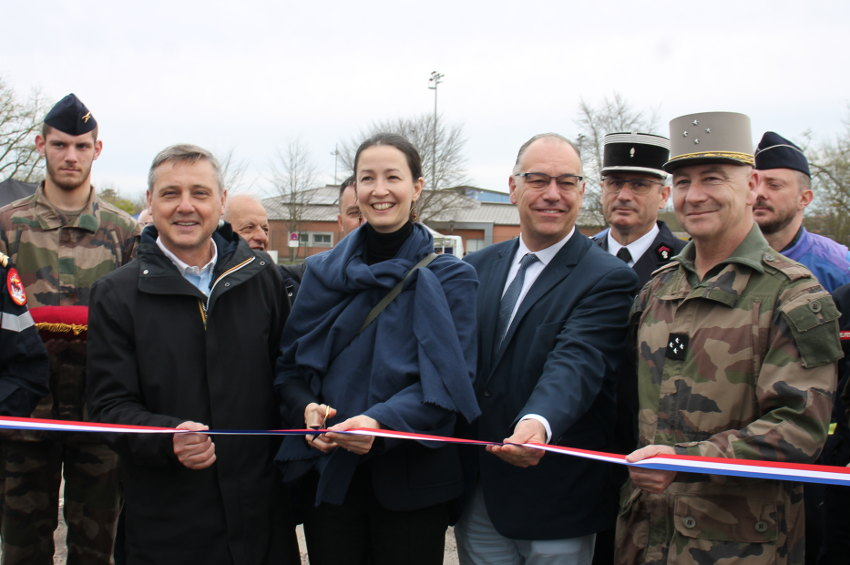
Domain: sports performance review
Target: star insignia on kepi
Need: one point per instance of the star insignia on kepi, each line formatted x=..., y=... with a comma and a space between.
x=695, y=122
x=677, y=347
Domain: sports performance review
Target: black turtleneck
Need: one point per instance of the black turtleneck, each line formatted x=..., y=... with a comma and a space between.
x=383, y=246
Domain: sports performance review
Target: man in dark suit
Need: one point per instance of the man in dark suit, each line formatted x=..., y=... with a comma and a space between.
x=634, y=189
x=552, y=315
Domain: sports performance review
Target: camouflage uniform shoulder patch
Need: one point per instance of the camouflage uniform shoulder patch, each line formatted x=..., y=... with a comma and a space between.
x=811, y=315
x=778, y=263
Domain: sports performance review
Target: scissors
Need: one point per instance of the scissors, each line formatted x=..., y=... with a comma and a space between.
x=324, y=423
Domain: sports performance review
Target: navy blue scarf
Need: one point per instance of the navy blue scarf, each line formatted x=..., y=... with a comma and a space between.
x=338, y=291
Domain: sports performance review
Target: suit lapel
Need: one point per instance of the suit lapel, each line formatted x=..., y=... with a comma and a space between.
x=492, y=283
x=557, y=270
x=602, y=240
x=647, y=263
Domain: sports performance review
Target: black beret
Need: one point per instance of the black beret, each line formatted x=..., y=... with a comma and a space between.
x=776, y=152
x=70, y=116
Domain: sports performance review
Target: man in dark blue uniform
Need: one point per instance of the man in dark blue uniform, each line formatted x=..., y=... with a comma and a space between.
x=634, y=189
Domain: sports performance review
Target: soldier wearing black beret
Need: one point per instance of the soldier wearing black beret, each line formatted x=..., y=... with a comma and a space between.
x=62, y=238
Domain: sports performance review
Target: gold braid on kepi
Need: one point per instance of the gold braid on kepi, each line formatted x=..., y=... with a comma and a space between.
x=745, y=158
x=61, y=322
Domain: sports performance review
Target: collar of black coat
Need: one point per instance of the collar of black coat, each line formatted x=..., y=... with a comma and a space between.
x=226, y=240
x=158, y=275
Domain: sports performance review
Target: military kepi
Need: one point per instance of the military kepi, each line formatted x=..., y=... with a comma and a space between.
x=70, y=116
x=776, y=152
x=710, y=137
x=635, y=153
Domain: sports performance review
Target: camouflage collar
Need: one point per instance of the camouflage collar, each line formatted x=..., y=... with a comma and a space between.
x=51, y=218
x=725, y=282
x=749, y=253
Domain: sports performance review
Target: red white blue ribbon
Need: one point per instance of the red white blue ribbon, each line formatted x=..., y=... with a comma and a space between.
x=800, y=472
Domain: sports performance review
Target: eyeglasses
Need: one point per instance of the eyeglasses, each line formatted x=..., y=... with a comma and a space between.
x=613, y=185
x=567, y=183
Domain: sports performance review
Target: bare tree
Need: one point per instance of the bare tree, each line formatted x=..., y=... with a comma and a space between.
x=233, y=171
x=610, y=115
x=830, y=168
x=294, y=175
x=443, y=161
x=20, y=121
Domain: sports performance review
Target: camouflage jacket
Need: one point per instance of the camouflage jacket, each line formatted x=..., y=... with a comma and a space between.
x=59, y=257
x=740, y=364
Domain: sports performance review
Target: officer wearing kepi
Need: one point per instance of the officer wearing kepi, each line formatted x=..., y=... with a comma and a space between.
x=736, y=351
x=634, y=190
x=62, y=239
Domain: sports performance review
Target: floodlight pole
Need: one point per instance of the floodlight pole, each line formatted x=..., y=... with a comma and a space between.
x=434, y=82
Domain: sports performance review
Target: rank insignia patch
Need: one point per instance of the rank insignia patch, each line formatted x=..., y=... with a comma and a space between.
x=677, y=347
x=16, y=287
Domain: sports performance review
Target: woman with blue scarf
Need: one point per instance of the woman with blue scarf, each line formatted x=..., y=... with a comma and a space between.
x=380, y=500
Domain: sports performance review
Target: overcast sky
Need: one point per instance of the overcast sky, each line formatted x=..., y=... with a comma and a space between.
x=251, y=75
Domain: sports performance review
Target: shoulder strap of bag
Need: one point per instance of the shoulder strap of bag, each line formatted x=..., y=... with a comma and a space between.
x=394, y=292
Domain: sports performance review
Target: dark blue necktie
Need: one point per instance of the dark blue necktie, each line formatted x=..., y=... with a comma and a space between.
x=506, y=307
x=624, y=254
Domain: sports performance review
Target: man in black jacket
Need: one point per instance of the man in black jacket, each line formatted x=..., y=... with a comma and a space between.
x=186, y=336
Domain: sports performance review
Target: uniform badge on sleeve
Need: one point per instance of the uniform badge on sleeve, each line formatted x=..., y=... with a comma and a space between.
x=664, y=252
x=16, y=287
x=677, y=347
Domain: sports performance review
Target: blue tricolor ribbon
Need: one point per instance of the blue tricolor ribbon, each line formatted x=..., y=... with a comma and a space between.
x=800, y=472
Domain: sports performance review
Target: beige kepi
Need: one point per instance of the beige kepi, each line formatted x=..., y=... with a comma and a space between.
x=710, y=137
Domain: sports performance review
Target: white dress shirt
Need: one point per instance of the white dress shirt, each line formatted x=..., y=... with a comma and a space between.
x=636, y=248
x=200, y=277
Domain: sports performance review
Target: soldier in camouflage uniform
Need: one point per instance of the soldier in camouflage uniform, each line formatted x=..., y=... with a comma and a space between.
x=736, y=358
x=62, y=238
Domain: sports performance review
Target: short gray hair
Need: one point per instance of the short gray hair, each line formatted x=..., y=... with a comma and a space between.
x=549, y=135
x=185, y=153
